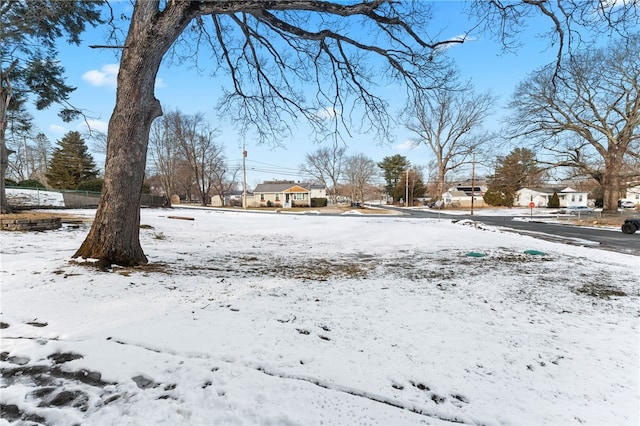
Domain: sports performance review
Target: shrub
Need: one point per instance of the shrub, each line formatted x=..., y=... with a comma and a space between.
x=269, y=203
x=10, y=182
x=94, y=185
x=319, y=202
x=30, y=183
x=497, y=198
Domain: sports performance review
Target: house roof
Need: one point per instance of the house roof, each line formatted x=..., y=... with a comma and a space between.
x=296, y=188
x=549, y=190
x=280, y=186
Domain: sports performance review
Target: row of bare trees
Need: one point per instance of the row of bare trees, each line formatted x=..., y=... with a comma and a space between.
x=340, y=173
x=185, y=157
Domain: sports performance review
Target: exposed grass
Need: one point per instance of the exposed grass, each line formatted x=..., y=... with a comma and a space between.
x=600, y=291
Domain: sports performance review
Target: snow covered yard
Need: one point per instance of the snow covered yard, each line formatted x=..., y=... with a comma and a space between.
x=247, y=318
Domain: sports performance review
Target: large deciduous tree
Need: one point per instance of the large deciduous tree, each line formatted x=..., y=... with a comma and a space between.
x=197, y=146
x=448, y=120
x=274, y=53
x=360, y=171
x=164, y=154
x=587, y=113
x=271, y=50
x=326, y=165
x=28, y=65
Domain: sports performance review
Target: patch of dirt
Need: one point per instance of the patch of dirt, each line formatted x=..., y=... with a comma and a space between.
x=37, y=215
x=600, y=291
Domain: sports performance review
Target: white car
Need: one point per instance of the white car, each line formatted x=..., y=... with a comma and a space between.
x=627, y=204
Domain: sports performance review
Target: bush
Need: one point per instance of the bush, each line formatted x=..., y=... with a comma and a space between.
x=10, y=182
x=30, y=183
x=269, y=203
x=319, y=202
x=497, y=198
x=93, y=185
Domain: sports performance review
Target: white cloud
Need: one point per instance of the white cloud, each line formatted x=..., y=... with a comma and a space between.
x=407, y=145
x=60, y=130
x=106, y=76
x=96, y=125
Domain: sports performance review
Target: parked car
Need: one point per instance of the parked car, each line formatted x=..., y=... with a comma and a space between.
x=627, y=204
x=630, y=226
x=578, y=210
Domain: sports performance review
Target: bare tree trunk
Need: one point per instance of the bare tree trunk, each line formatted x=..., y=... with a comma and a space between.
x=4, y=162
x=4, y=152
x=441, y=176
x=611, y=183
x=114, y=236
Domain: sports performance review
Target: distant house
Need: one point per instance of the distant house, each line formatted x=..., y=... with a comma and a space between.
x=460, y=196
x=540, y=196
x=232, y=198
x=633, y=194
x=287, y=194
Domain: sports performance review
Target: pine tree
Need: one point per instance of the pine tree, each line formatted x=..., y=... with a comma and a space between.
x=517, y=170
x=70, y=163
x=393, y=169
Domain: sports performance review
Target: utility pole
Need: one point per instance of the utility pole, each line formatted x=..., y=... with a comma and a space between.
x=406, y=181
x=473, y=181
x=244, y=178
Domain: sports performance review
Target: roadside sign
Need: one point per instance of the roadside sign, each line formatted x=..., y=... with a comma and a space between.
x=532, y=204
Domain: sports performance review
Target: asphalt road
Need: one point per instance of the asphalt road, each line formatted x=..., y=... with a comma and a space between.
x=605, y=239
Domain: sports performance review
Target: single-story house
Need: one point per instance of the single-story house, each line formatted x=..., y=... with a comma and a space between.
x=461, y=196
x=287, y=193
x=540, y=196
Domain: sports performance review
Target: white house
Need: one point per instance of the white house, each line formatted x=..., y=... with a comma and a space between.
x=633, y=195
x=287, y=194
x=540, y=196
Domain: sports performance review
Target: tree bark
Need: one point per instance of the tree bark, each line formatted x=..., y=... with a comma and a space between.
x=611, y=180
x=5, y=97
x=114, y=236
x=4, y=163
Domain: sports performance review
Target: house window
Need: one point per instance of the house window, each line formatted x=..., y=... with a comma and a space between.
x=277, y=197
x=261, y=197
x=573, y=197
x=298, y=197
x=580, y=197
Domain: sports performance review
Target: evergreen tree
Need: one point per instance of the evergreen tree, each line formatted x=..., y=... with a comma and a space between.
x=554, y=201
x=513, y=172
x=70, y=163
x=29, y=68
x=392, y=168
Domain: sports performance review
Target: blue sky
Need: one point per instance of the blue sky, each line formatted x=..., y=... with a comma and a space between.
x=93, y=72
